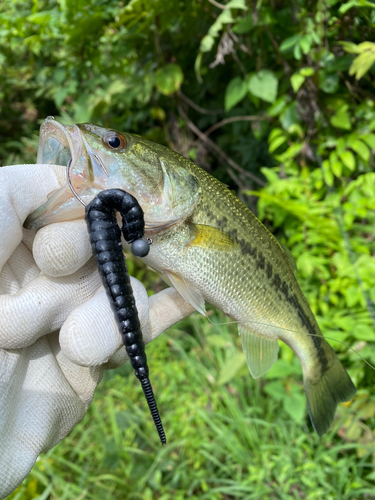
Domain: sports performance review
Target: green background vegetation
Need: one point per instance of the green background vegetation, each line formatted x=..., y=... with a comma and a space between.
x=276, y=99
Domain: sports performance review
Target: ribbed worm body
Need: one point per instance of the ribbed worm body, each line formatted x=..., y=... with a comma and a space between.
x=105, y=236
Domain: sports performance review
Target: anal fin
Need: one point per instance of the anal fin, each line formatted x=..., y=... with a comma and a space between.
x=261, y=352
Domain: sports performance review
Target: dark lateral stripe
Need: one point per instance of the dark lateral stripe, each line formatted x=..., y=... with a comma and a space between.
x=281, y=286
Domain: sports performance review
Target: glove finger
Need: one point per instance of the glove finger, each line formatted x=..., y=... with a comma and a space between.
x=18, y=199
x=39, y=408
x=167, y=308
x=8, y=283
x=90, y=335
x=61, y=249
x=43, y=305
x=23, y=266
x=81, y=379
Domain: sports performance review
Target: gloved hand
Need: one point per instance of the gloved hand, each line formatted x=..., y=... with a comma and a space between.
x=49, y=282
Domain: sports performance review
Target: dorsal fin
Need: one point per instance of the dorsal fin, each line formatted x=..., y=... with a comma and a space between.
x=288, y=254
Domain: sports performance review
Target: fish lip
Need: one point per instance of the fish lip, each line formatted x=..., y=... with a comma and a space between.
x=57, y=142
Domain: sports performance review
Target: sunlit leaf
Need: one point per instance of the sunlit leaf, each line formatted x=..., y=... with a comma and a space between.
x=231, y=367
x=235, y=92
x=341, y=119
x=168, y=79
x=361, y=149
x=348, y=160
x=264, y=85
x=295, y=405
x=297, y=80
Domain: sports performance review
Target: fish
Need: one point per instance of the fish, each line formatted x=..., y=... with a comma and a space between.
x=206, y=244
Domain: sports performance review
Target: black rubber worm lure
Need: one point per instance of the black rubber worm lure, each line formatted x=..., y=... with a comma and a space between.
x=105, y=236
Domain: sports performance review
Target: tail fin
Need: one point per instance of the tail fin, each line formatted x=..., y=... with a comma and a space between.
x=323, y=395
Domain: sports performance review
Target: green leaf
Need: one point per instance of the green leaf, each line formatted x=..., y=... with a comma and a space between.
x=289, y=116
x=244, y=25
x=276, y=390
x=169, y=78
x=207, y=43
x=362, y=63
x=336, y=165
x=277, y=142
x=361, y=149
x=283, y=369
x=369, y=140
x=355, y=3
x=264, y=85
x=307, y=71
x=217, y=341
x=350, y=47
x=291, y=152
x=237, y=4
x=224, y=18
x=276, y=132
x=348, y=160
x=328, y=82
x=305, y=44
x=341, y=119
x=289, y=43
x=295, y=406
x=328, y=177
x=231, y=367
x=297, y=52
x=278, y=107
x=235, y=92
x=297, y=80
x=364, y=332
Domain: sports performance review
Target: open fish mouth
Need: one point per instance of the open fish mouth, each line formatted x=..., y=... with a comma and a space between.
x=86, y=175
x=56, y=142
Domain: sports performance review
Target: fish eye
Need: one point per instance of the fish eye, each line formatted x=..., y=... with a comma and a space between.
x=115, y=141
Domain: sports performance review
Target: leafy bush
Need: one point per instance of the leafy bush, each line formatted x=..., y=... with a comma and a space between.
x=274, y=98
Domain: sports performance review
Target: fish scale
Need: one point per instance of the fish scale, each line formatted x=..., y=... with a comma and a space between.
x=210, y=247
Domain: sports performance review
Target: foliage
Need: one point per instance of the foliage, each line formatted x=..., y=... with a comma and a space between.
x=272, y=95
x=225, y=441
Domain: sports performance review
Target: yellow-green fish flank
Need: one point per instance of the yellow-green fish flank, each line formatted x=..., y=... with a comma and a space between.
x=207, y=244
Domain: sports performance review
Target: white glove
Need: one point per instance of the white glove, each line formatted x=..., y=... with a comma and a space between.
x=47, y=378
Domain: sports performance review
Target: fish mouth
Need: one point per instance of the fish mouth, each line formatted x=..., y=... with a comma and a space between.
x=86, y=174
x=56, y=142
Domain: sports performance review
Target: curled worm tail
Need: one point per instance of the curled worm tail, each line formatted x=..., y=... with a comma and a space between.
x=105, y=236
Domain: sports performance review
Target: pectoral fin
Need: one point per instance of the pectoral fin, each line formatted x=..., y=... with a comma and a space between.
x=187, y=291
x=261, y=352
x=210, y=238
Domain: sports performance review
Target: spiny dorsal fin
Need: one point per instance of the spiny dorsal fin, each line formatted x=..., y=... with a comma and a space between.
x=261, y=352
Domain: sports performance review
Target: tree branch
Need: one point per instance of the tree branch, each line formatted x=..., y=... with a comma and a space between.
x=197, y=107
x=219, y=152
x=232, y=119
x=217, y=4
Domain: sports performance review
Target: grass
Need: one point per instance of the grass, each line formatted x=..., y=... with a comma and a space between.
x=225, y=440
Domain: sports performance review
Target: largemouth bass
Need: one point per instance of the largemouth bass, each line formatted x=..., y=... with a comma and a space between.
x=206, y=244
